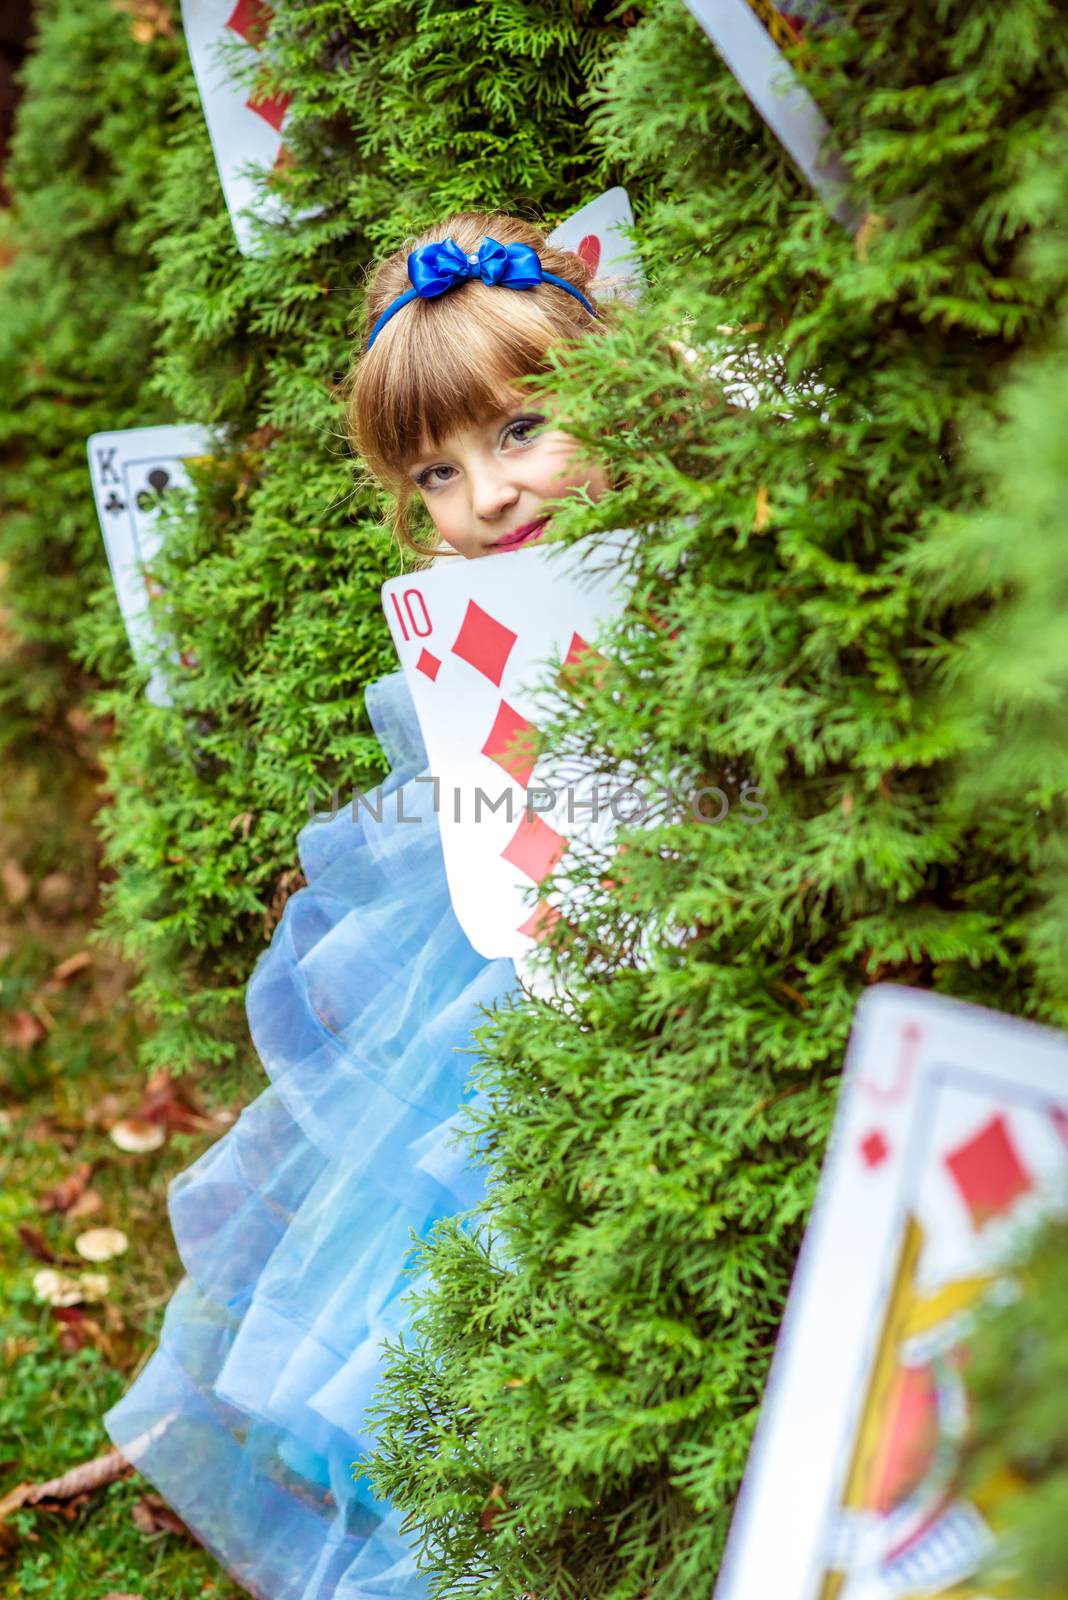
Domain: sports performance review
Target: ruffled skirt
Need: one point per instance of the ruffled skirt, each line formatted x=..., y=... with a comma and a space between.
x=294, y=1229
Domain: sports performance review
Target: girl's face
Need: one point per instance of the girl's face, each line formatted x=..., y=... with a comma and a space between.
x=485, y=485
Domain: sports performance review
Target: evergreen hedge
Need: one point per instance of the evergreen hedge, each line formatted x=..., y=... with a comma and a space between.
x=400, y=113
x=572, y=1414
x=826, y=588
x=1019, y=1373
x=75, y=336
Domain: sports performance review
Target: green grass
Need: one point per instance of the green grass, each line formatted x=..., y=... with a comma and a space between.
x=56, y=1094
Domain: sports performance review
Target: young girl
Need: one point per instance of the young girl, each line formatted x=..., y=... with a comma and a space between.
x=294, y=1228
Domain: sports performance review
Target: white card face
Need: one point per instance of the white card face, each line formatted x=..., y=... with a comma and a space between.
x=597, y=234
x=951, y=1138
x=130, y=469
x=750, y=36
x=246, y=133
x=475, y=640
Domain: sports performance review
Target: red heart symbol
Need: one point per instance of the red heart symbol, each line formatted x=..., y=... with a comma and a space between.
x=590, y=251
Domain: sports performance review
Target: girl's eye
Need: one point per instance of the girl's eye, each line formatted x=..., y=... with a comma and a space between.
x=429, y=479
x=523, y=429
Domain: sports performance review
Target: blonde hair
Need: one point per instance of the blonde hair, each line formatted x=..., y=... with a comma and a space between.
x=450, y=362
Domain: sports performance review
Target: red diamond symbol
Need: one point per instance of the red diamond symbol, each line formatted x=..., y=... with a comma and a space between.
x=534, y=848
x=250, y=19
x=541, y=920
x=581, y=659
x=484, y=642
x=874, y=1149
x=428, y=664
x=512, y=743
x=988, y=1172
x=271, y=107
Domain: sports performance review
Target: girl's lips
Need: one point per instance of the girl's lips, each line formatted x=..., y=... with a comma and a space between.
x=524, y=535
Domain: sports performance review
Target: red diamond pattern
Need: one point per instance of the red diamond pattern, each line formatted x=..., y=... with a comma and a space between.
x=484, y=642
x=428, y=664
x=534, y=848
x=271, y=107
x=581, y=659
x=512, y=743
x=541, y=921
x=988, y=1172
x=250, y=19
x=874, y=1149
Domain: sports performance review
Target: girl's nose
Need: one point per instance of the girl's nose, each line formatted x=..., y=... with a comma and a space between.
x=491, y=494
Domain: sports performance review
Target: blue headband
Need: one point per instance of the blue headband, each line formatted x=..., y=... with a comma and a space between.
x=437, y=268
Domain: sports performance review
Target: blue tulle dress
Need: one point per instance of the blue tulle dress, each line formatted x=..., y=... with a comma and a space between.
x=294, y=1228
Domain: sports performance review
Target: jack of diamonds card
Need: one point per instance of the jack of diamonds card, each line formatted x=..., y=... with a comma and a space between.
x=245, y=129
x=951, y=1141
x=482, y=644
x=131, y=469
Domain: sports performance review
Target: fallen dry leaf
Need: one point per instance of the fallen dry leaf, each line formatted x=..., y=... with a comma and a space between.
x=244, y=821
x=64, y=1195
x=86, y=1205
x=14, y=1500
x=172, y=1102
x=15, y=1347
x=148, y=18
x=37, y=1245
x=22, y=1030
x=78, y=1332
x=108, y=1109
x=138, y=1138
x=79, y=720
x=101, y=1244
x=65, y=1289
x=58, y=1493
x=82, y=1479
x=151, y=1514
x=55, y=893
x=15, y=883
x=67, y=969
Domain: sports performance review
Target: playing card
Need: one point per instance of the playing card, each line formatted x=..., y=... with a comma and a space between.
x=749, y=35
x=598, y=233
x=481, y=644
x=949, y=1142
x=131, y=469
x=245, y=130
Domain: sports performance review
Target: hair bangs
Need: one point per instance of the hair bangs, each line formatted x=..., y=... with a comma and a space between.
x=444, y=364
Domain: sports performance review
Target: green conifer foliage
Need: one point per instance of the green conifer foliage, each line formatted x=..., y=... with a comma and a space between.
x=1019, y=1372
x=572, y=1413
x=1007, y=681
x=400, y=113
x=75, y=339
x=812, y=616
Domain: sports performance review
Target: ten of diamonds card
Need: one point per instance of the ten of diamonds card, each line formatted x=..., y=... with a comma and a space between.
x=951, y=1141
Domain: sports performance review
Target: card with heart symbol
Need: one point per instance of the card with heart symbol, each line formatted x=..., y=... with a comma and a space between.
x=599, y=234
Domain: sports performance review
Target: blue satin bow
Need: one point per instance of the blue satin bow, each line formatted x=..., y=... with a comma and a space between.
x=436, y=268
x=439, y=267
